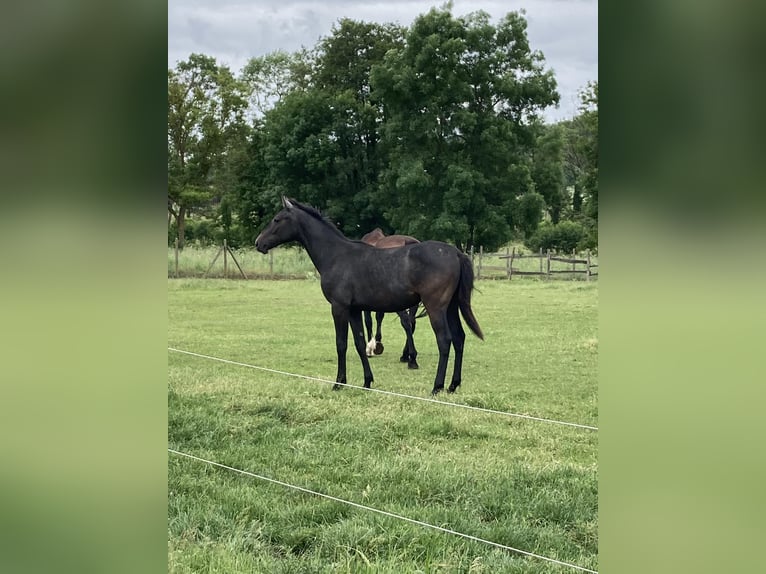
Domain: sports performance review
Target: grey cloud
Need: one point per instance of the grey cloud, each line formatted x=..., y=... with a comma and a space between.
x=234, y=30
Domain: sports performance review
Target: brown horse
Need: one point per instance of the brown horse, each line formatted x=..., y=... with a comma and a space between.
x=378, y=239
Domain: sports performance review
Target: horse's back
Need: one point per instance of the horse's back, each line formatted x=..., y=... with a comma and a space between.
x=433, y=261
x=393, y=241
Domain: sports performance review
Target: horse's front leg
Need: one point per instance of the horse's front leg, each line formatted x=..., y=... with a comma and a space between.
x=355, y=318
x=340, y=317
x=409, y=353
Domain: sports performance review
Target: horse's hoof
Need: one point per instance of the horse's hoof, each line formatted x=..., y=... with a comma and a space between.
x=378, y=348
x=435, y=392
x=404, y=359
x=337, y=387
x=412, y=366
x=452, y=388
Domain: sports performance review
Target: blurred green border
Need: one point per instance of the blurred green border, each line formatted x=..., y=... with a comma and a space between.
x=682, y=287
x=83, y=295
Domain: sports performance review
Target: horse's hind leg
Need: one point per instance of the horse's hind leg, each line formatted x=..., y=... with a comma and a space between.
x=443, y=341
x=409, y=353
x=458, y=342
x=340, y=317
x=355, y=318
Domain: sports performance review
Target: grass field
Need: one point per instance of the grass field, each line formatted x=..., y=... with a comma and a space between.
x=526, y=484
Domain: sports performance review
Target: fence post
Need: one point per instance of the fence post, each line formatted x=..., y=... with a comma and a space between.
x=574, y=265
x=587, y=274
x=510, y=264
x=481, y=253
x=225, y=250
x=271, y=262
x=541, y=261
x=549, y=263
x=176, y=242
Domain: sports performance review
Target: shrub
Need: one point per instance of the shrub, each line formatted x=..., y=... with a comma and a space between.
x=564, y=237
x=203, y=232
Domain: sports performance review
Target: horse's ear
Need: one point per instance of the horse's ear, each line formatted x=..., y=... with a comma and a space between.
x=286, y=203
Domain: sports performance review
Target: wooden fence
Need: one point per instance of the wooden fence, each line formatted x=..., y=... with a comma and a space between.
x=514, y=263
x=481, y=262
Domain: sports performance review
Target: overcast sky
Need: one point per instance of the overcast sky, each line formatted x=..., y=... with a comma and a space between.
x=232, y=31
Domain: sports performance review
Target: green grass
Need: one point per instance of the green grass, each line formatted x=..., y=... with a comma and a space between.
x=525, y=484
x=287, y=262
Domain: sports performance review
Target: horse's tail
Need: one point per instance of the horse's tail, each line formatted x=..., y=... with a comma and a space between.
x=464, y=289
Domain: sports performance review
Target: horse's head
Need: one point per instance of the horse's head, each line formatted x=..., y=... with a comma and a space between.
x=282, y=229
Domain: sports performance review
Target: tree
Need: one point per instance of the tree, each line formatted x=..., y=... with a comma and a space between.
x=580, y=136
x=205, y=123
x=320, y=141
x=528, y=210
x=589, y=178
x=344, y=66
x=271, y=77
x=548, y=170
x=461, y=99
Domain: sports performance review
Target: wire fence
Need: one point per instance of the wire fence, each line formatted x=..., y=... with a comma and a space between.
x=384, y=392
x=383, y=512
x=369, y=508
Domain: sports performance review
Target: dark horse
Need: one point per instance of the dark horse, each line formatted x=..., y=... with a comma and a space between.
x=357, y=277
x=377, y=238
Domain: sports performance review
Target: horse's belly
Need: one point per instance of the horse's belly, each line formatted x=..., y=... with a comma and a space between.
x=384, y=299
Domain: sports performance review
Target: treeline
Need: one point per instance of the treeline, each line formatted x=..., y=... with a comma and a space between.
x=433, y=130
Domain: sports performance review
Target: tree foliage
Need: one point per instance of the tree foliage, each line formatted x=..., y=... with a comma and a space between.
x=206, y=104
x=460, y=99
x=321, y=142
x=581, y=160
x=564, y=237
x=433, y=130
x=268, y=79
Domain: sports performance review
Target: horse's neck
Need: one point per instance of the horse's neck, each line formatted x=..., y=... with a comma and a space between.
x=321, y=242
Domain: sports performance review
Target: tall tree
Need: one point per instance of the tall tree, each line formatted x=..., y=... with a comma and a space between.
x=580, y=136
x=548, y=169
x=320, y=141
x=589, y=179
x=205, y=119
x=344, y=65
x=271, y=77
x=461, y=98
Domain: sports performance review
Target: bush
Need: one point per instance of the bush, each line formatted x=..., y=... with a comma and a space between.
x=564, y=237
x=204, y=232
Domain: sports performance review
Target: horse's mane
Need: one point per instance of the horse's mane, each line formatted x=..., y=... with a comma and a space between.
x=316, y=214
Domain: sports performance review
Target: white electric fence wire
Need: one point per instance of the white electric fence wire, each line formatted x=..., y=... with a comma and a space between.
x=459, y=405
x=383, y=512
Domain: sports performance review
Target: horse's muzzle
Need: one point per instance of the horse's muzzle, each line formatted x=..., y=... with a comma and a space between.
x=259, y=245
